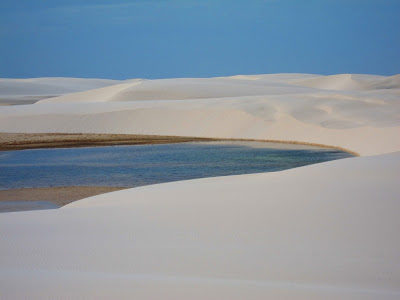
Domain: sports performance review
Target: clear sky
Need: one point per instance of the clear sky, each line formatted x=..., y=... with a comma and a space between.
x=197, y=38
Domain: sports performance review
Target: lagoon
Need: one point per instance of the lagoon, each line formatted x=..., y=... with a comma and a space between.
x=138, y=165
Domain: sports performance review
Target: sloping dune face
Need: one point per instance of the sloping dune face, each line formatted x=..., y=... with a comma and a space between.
x=25, y=91
x=357, y=112
x=191, y=88
x=352, y=82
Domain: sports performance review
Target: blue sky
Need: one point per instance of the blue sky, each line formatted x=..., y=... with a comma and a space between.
x=197, y=38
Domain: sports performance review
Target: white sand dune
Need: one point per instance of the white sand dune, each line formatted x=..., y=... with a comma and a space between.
x=182, y=89
x=349, y=82
x=26, y=91
x=273, y=107
x=325, y=231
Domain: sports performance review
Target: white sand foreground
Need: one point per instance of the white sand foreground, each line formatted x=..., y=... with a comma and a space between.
x=325, y=231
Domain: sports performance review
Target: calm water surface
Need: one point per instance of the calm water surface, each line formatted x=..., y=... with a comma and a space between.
x=129, y=166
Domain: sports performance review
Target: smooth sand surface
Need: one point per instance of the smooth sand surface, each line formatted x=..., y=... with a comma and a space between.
x=323, y=231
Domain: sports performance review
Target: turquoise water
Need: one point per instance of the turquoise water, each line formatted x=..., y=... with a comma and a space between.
x=129, y=166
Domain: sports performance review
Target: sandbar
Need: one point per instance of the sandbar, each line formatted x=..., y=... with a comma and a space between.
x=59, y=196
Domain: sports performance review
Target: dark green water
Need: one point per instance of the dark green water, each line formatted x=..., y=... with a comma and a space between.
x=129, y=166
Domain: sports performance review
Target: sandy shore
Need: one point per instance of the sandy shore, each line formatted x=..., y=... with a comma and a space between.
x=19, y=141
x=59, y=196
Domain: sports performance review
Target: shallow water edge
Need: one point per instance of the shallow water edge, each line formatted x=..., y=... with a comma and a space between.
x=21, y=141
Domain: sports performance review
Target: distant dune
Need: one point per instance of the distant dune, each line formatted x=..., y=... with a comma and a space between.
x=27, y=91
x=352, y=82
x=356, y=112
